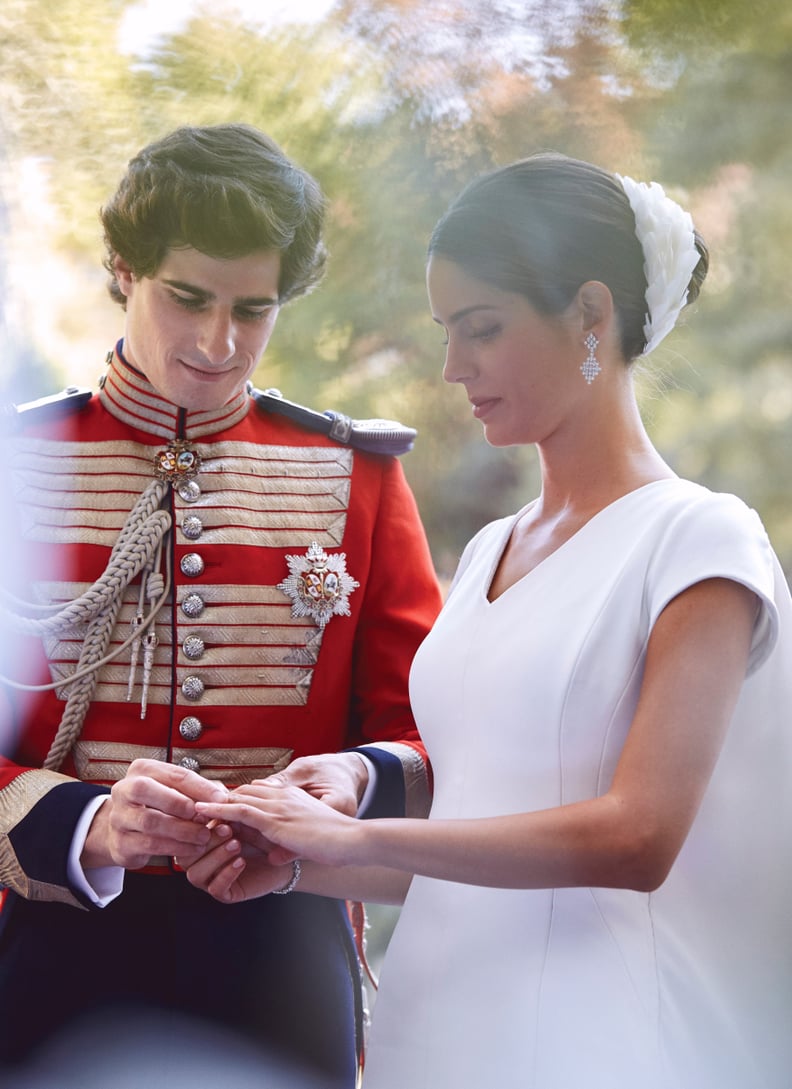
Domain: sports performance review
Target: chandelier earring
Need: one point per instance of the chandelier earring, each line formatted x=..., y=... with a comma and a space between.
x=590, y=367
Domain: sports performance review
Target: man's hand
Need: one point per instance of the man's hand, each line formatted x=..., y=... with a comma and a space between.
x=151, y=811
x=338, y=779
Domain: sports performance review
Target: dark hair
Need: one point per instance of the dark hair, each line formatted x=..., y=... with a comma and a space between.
x=543, y=226
x=226, y=190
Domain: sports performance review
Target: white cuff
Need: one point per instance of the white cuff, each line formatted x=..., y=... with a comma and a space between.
x=371, y=786
x=103, y=883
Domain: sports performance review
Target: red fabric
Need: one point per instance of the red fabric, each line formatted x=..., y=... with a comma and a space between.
x=358, y=692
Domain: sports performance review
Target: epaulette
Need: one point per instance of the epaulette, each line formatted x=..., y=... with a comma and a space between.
x=54, y=407
x=373, y=436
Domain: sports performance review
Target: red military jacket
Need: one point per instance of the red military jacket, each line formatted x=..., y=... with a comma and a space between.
x=291, y=583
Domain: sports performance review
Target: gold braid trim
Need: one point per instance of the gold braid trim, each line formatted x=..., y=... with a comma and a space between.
x=16, y=801
x=108, y=761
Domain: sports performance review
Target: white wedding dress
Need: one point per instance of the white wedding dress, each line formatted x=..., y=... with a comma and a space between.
x=524, y=704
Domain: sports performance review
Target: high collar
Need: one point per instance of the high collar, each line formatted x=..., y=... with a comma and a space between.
x=129, y=396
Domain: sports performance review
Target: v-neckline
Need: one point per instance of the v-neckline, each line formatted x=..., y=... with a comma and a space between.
x=564, y=546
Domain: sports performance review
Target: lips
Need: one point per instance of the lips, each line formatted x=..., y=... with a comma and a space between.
x=206, y=376
x=483, y=405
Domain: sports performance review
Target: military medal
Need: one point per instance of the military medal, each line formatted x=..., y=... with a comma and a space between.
x=177, y=463
x=318, y=585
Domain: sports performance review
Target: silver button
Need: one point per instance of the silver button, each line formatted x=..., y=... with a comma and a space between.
x=190, y=490
x=190, y=763
x=190, y=728
x=192, y=606
x=192, y=565
x=192, y=527
x=192, y=688
x=193, y=647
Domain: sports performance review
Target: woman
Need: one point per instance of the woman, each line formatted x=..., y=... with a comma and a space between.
x=602, y=889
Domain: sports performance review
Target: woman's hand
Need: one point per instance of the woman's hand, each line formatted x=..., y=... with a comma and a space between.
x=299, y=825
x=231, y=872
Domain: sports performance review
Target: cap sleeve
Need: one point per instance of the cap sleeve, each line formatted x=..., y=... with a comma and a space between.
x=716, y=536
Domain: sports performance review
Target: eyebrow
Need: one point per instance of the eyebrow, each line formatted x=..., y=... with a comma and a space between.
x=460, y=314
x=252, y=300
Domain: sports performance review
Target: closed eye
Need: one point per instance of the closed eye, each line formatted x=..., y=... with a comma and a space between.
x=188, y=302
x=245, y=313
x=196, y=303
x=489, y=333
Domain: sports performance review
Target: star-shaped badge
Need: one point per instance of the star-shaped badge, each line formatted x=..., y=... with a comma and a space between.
x=318, y=585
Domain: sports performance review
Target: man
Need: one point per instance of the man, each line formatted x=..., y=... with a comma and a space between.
x=227, y=586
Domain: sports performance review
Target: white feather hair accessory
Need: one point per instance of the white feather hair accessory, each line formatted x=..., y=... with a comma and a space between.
x=667, y=238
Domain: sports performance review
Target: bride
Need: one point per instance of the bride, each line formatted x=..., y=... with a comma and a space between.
x=600, y=895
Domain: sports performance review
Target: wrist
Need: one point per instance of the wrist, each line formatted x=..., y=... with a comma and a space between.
x=291, y=884
x=95, y=853
x=359, y=846
x=360, y=770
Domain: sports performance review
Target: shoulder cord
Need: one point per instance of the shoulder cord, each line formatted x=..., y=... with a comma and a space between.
x=136, y=549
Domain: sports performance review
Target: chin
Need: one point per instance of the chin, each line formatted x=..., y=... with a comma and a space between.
x=501, y=439
x=205, y=400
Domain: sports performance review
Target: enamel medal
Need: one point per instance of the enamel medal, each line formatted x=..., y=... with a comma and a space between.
x=318, y=585
x=178, y=462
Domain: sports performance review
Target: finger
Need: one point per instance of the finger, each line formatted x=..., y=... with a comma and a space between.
x=223, y=831
x=150, y=794
x=281, y=856
x=279, y=780
x=239, y=813
x=260, y=788
x=181, y=780
x=158, y=834
x=218, y=838
x=200, y=871
x=249, y=837
x=224, y=885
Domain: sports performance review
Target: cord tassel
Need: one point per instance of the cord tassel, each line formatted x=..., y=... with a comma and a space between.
x=148, y=665
x=134, y=654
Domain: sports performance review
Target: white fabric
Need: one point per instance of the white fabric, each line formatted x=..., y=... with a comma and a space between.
x=371, y=785
x=103, y=883
x=524, y=703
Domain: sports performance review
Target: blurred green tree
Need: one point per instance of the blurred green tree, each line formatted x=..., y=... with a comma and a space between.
x=721, y=126
x=394, y=105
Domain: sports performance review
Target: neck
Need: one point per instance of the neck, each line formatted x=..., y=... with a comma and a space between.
x=599, y=458
x=129, y=396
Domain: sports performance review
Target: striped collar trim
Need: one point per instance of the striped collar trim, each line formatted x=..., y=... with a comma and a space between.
x=130, y=397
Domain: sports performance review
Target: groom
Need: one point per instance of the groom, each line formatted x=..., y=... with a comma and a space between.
x=234, y=586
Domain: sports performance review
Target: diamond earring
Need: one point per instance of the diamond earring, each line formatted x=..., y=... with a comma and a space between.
x=590, y=367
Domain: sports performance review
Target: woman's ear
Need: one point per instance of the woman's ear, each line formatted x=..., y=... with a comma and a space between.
x=595, y=307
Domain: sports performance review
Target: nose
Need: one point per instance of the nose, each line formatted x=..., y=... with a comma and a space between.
x=217, y=337
x=457, y=368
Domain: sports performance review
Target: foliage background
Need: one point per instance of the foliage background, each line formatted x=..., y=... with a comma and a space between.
x=394, y=105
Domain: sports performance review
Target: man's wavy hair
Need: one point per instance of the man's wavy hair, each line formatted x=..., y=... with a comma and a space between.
x=226, y=190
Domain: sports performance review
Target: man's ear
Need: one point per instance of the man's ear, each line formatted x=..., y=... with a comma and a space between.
x=124, y=275
x=595, y=307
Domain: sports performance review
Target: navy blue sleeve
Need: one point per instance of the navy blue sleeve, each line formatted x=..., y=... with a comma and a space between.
x=389, y=794
x=42, y=838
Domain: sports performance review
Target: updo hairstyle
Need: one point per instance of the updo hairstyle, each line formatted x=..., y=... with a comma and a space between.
x=543, y=226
